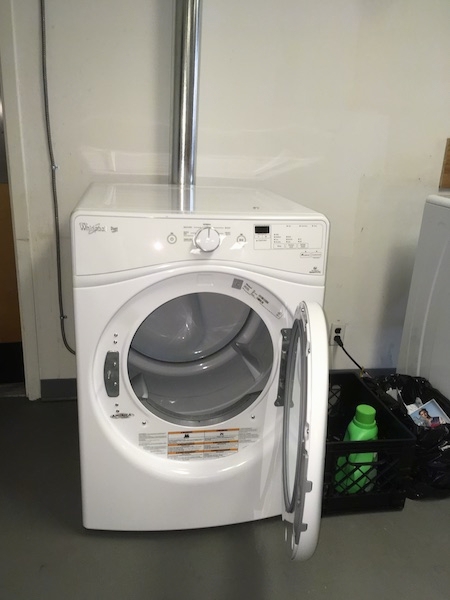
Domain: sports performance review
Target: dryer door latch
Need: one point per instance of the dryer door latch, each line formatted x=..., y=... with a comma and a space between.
x=111, y=374
x=286, y=334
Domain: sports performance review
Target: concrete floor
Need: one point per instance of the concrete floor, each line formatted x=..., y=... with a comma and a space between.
x=46, y=554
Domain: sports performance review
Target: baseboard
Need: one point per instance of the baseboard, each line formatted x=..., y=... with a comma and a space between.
x=58, y=389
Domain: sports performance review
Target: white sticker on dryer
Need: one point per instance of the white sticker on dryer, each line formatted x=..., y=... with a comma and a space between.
x=253, y=291
x=248, y=435
x=156, y=443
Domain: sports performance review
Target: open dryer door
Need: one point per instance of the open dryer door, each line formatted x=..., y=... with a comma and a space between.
x=304, y=429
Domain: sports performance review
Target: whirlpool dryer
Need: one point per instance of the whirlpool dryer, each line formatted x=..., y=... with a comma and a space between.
x=201, y=358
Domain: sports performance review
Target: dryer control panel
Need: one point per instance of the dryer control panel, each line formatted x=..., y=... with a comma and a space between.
x=112, y=243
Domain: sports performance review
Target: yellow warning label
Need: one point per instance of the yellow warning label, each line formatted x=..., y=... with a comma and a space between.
x=199, y=444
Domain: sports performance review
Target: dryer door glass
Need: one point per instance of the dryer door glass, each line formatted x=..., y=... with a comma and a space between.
x=200, y=358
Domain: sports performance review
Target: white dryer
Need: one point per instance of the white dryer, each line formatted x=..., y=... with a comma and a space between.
x=202, y=358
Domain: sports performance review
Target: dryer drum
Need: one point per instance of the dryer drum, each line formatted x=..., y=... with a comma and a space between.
x=190, y=327
x=200, y=358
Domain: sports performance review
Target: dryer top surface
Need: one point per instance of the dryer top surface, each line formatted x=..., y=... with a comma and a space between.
x=175, y=201
x=441, y=199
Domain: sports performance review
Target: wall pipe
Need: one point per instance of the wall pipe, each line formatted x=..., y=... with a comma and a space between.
x=185, y=91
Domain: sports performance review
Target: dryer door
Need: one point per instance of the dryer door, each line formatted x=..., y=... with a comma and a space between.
x=304, y=429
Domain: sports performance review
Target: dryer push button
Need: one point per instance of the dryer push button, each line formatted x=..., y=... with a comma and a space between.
x=111, y=374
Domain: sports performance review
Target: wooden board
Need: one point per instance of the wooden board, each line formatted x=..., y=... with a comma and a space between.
x=444, y=184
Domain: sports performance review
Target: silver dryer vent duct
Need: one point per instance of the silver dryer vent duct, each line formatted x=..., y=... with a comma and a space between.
x=185, y=96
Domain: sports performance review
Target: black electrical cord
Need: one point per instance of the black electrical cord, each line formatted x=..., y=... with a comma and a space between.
x=340, y=343
x=62, y=316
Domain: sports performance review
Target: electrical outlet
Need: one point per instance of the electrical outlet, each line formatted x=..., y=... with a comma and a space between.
x=337, y=328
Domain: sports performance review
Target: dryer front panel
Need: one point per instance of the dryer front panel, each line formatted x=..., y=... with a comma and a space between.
x=141, y=468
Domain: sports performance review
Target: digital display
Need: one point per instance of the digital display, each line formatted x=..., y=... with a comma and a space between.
x=262, y=229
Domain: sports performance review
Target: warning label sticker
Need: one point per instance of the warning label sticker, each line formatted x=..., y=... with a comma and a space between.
x=154, y=442
x=258, y=295
x=198, y=444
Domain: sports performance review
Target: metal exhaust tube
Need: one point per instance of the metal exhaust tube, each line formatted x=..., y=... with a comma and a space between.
x=185, y=96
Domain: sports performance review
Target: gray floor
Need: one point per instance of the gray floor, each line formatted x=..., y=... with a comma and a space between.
x=45, y=552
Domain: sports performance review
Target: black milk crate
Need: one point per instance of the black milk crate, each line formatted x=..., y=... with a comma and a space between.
x=379, y=484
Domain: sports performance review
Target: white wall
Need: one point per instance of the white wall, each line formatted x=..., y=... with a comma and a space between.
x=342, y=105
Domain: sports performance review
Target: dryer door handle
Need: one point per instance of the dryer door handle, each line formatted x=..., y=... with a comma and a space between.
x=286, y=340
x=111, y=374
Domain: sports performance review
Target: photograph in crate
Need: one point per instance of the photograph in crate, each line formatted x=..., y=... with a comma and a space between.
x=429, y=414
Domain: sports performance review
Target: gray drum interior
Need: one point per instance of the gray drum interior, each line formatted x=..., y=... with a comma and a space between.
x=200, y=358
x=190, y=327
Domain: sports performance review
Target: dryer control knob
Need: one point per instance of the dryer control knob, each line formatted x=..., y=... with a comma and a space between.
x=207, y=239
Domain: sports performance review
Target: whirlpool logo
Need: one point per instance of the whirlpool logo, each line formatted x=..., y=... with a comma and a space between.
x=92, y=228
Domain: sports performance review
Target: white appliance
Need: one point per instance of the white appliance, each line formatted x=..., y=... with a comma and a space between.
x=425, y=344
x=201, y=357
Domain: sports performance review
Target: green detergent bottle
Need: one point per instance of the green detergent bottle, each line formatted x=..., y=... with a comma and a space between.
x=355, y=472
